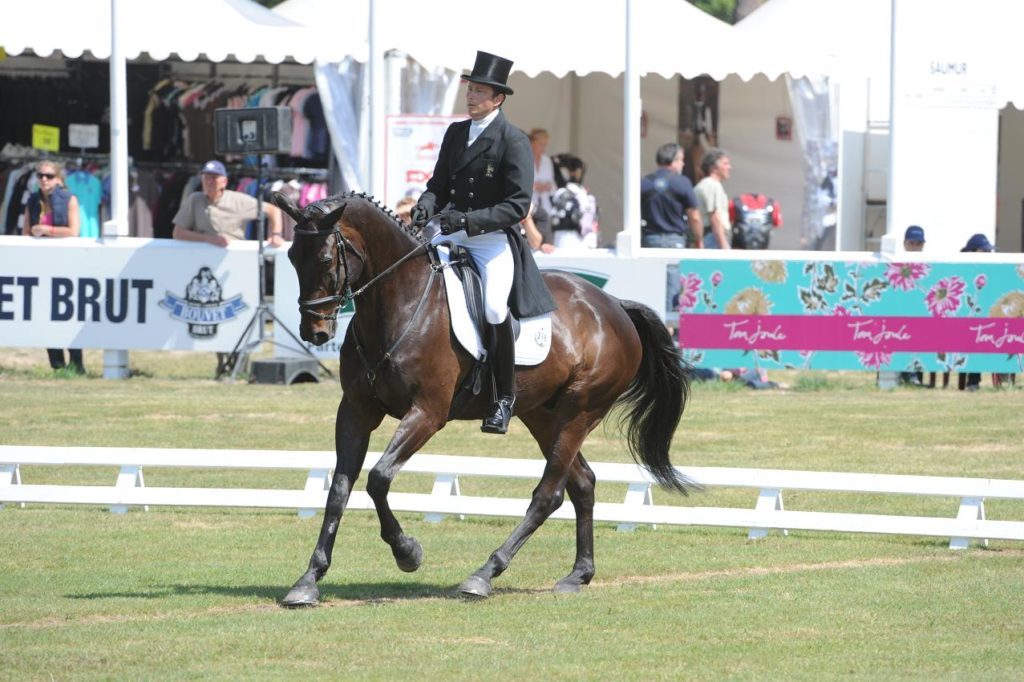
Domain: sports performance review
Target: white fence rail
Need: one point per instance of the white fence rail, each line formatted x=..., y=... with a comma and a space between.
x=637, y=508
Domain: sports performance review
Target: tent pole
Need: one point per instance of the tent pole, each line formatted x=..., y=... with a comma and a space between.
x=377, y=107
x=628, y=241
x=115, y=362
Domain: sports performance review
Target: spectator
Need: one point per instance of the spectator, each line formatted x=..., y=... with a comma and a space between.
x=543, y=169
x=714, y=202
x=669, y=205
x=978, y=243
x=218, y=215
x=913, y=239
x=537, y=229
x=52, y=212
x=574, y=211
x=403, y=210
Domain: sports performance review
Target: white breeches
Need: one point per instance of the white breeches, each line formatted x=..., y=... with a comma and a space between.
x=493, y=257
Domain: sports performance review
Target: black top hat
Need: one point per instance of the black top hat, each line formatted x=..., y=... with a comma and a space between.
x=491, y=70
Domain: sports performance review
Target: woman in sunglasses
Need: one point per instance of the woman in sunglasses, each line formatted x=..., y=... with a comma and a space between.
x=53, y=212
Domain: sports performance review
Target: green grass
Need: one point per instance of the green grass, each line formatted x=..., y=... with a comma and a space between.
x=180, y=593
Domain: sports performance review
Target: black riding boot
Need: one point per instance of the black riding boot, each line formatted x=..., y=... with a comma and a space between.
x=503, y=368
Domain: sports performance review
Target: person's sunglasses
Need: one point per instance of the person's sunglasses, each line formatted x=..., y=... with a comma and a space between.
x=46, y=176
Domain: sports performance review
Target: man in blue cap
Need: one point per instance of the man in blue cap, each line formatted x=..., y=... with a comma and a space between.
x=217, y=215
x=913, y=238
x=978, y=243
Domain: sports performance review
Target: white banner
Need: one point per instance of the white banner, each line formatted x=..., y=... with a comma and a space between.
x=411, y=144
x=125, y=294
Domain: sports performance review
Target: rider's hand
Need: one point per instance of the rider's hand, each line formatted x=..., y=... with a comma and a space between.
x=452, y=221
x=419, y=215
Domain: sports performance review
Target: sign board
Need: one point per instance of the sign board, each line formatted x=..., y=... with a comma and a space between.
x=83, y=135
x=46, y=138
x=938, y=316
x=147, y=294
x=411, y=144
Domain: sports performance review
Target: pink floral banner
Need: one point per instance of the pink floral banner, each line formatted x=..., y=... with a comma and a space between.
x=964, y=316
x=845, y=333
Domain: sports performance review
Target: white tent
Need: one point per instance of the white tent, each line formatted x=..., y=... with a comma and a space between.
x=216, y=29
x=561, y=37
x=570, y=59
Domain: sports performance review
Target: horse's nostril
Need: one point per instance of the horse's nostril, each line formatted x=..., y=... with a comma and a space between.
x=320, y=338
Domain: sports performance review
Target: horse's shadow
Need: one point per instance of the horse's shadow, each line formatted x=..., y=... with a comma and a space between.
x=367, y=593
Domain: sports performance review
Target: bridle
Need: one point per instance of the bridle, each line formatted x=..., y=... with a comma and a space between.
x=344, y=294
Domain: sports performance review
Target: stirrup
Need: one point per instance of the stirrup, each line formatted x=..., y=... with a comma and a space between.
x=500, y=416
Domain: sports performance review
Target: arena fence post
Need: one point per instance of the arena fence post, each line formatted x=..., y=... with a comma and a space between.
x=317, y=481
x=637, y=494
x=971, y=509
x=128, y=477
x=769, y=500
x=444, y=485
x=10, y=474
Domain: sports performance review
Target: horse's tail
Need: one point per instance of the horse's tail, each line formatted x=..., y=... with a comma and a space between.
x=655, y=399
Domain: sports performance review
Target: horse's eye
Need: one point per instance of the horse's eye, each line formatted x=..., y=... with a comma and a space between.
x=327, y=258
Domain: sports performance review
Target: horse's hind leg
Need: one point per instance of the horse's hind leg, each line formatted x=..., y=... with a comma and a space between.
x=413, y=432
x=352, y=437
x=560, y=451
x=580, y=487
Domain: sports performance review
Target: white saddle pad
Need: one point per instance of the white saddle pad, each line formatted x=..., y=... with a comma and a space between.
x=534, y=339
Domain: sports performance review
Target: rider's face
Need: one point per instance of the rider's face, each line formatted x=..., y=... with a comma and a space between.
x=481, y=100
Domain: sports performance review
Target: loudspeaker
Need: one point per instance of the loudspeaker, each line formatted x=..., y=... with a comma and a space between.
x=264, y=130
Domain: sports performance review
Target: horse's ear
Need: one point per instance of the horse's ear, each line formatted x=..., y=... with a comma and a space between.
x=288, y=206
x=331, y=218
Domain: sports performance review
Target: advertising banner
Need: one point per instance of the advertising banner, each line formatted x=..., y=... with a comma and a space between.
x=966, y=316
x=411, y=144
x=125, y=294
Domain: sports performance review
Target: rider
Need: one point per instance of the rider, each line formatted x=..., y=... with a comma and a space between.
x=483, y=181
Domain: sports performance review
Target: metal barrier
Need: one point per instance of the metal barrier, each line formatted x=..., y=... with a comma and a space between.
x=637, y=508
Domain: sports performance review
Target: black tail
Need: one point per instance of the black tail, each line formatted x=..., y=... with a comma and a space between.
x=656, y=399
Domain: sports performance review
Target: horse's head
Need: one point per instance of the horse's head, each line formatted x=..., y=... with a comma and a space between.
x=326, y=262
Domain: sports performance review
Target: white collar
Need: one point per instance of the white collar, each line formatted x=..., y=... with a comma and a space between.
x=477, y=127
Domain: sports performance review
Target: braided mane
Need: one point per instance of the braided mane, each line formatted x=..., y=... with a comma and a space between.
x=330, y=203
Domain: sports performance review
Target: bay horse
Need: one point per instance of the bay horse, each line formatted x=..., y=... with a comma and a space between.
x=400, y=358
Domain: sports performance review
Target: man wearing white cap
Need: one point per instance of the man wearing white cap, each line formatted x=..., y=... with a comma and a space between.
x=217, y=215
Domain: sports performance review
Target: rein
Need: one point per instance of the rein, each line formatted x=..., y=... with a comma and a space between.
x=346, y=294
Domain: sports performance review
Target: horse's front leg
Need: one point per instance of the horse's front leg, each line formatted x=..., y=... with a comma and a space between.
x=415, y=429
x=352, y=438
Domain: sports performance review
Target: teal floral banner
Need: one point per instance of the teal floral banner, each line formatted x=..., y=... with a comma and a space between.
x=964, y=317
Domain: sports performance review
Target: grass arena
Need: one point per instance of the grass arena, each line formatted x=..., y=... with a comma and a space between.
x=185, y=593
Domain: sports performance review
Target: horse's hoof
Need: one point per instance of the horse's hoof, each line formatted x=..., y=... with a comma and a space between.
x=412, y=559
x=301, y=596
x=567, y=587
x=475, y=586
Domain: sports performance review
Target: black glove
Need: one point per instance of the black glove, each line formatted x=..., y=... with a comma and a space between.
x=452, y=221
x=419, y=215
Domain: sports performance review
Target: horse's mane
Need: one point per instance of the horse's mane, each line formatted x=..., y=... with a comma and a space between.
x=330, y=203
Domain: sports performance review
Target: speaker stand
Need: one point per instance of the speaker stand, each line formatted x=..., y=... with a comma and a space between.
x=245, y=345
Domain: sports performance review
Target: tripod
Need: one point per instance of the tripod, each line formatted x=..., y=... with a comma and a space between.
x=239, y=356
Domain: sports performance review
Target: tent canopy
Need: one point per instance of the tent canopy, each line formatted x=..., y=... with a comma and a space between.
x=188, y=28
x=580, y=36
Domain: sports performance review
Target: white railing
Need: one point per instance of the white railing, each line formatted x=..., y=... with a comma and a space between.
x=637, y=508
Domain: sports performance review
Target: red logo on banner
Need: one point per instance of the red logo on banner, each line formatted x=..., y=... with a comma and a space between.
x=417, y=176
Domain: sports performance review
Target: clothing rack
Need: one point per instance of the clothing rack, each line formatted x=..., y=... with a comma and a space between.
x=239, y=169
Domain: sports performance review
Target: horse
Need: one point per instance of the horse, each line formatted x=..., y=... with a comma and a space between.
x=400, y=358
